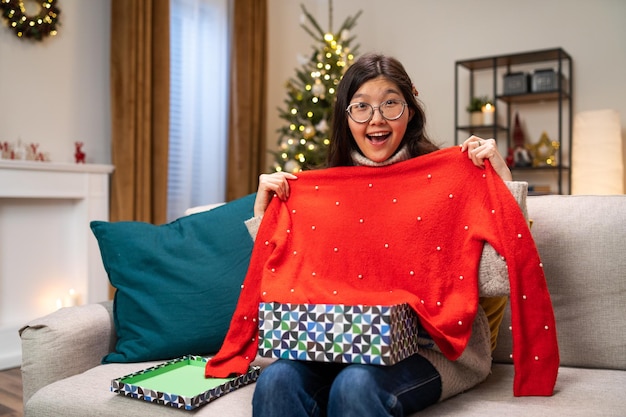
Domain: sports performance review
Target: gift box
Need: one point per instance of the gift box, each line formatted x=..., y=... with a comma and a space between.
x=377, y=334
x=180, y=383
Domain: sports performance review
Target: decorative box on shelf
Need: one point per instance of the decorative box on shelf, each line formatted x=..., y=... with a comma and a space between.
x=516, y=83
x=544, y=80
x=378, y=334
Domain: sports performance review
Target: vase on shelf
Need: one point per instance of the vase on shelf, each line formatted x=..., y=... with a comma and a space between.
x=476, y=118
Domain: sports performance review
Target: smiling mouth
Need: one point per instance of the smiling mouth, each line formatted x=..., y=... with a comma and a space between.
x=378, y=137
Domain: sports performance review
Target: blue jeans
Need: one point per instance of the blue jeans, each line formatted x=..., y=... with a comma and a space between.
x=317, y=389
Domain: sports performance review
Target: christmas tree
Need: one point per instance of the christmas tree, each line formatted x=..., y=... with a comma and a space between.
x=303, y=141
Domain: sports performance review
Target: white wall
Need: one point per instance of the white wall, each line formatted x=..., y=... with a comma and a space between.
x=428, y=36
x=56, y=92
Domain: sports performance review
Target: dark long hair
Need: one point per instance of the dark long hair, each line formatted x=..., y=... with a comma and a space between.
x=366, y=68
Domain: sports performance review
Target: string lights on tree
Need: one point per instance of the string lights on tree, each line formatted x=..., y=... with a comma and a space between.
x=304, y=139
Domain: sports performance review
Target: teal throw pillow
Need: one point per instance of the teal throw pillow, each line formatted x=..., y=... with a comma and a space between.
x=178, y=283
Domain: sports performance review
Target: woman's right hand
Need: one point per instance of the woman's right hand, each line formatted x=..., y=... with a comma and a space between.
x=271, y=185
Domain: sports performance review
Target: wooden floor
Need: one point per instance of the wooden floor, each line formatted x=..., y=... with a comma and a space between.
x=11, y=393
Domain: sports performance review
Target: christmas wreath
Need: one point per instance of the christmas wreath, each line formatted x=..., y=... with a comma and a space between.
x=34, y=27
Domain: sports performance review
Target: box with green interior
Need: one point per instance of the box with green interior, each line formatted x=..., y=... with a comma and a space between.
x=180, y=383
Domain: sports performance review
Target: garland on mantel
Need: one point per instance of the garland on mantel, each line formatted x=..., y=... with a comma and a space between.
x=34, y=27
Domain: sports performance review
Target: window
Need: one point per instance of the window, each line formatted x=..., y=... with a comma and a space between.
x=198, y=133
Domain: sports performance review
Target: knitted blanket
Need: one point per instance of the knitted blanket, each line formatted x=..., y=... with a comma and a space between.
x=412, y=232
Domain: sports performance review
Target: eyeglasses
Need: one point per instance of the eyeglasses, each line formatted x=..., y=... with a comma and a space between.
x=363, y=112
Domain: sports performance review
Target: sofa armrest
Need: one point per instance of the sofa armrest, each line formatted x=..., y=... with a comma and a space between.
x=65, y=343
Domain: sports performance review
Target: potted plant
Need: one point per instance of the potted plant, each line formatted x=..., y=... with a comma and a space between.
x=475, y=108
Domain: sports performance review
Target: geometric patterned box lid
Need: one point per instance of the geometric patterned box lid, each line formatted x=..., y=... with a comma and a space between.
x=180, y=383
x=378, y=334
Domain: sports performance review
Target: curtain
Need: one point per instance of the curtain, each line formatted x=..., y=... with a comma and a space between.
x=247, y=137
x=199, y=90
x=139, y=109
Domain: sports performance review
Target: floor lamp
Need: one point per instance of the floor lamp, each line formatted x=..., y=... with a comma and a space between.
x=597, y=153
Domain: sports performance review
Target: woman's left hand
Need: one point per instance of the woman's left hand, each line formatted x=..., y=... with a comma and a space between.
x=479, y=149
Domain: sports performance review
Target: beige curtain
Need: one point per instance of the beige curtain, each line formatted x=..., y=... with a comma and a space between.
x=139, y=109
x=246, y=143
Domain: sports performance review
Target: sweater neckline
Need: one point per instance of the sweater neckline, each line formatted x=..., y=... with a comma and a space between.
x=362, y=160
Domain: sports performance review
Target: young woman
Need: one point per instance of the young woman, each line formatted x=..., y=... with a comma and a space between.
x=377, y=121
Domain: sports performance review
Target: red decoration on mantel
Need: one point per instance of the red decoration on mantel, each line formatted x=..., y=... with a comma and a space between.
x=79, y=155
x=21, y=152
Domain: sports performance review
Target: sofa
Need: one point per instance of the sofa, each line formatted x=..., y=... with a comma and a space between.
x=582, y=243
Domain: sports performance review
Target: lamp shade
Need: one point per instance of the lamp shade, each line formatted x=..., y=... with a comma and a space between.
x=597, y=158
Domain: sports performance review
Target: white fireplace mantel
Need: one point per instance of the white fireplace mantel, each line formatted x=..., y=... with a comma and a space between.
x=46, y=245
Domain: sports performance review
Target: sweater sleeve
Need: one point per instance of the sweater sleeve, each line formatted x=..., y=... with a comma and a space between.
x=240, y=344
x=253, y=224
x=535, y=348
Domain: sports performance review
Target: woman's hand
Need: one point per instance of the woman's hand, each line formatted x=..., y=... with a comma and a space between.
x=271, y=185
x=479, y=149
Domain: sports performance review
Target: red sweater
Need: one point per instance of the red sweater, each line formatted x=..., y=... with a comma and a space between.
x=412, y=232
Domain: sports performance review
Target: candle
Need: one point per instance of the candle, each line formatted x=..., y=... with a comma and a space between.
x=70, y=300
x=488, y=112
x=74, y=298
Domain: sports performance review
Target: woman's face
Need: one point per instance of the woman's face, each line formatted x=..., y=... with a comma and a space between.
x=379, y=138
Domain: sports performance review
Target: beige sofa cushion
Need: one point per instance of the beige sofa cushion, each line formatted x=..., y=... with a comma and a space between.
x=579, y=393
x=583, y=250
x=88, y=394
x=80, y=335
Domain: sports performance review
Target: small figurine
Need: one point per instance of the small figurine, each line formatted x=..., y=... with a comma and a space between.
x=521, y=154
x=79, y=155
x=545, y=151
x=19, y=152
x=32, y=151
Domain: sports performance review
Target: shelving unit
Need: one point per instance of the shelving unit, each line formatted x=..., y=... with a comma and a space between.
x=485, y=77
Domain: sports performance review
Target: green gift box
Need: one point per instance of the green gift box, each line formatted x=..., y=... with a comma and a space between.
x=180, y=383
x=376, y=334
